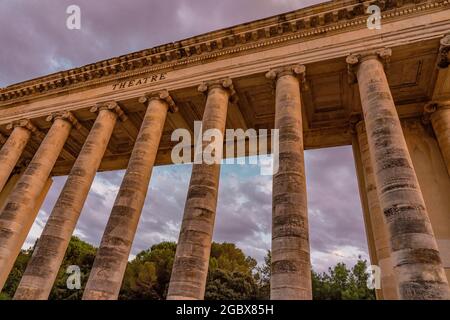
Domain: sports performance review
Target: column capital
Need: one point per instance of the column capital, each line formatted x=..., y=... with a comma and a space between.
x=353, y=60
x=112, y=106
x=432, y=107
x=226, y=84
x=24, y=123
x=296, y=70
x=65, y=115
x=163, y=95
x=444, y=51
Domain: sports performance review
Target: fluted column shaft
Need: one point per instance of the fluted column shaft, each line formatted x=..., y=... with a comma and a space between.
x=111, y=260
x=379, y=228
x=440, y=120
x=48, y=254
x=190, y=268
x=415, y=254
x=18, y=214
x=291, y=266
x=13, y=148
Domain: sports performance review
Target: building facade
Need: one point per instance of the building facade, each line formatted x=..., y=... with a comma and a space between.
x=319, y=75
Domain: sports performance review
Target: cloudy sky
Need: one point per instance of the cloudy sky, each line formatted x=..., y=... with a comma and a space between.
x=35, y=42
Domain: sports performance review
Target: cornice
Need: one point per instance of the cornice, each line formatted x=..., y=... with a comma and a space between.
x=330, y=17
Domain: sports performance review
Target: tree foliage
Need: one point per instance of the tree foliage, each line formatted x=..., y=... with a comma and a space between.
x=81, y=254
x=341, y=283
x=147, y=276
x=231, y=276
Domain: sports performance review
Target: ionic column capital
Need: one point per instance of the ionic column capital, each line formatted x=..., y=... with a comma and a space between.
x=430, y=108
x=24, y=123
x=65, y=115
x=226, y=84
x=353, y=60
x=163, y=95
x=112, y=106
x=444, y=51
x=296, y=70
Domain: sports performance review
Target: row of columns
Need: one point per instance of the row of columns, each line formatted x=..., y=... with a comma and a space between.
x=42, y=269
x=111, y=259
x=404, y=238
x=18, y=214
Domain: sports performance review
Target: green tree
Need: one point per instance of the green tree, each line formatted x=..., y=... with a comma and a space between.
x=230, y=285
x=341, y=283
x=262, y=276
x=148, y=275
x=232, y=275
x=78, y=253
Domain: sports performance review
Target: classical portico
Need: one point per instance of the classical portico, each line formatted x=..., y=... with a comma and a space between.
x=319, y=75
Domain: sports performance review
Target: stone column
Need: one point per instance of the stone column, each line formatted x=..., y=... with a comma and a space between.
x=416, y=259
x=380, y=233
x=433, y=179
x=9, y=186
x=291, y=265
x=18, y=214
x=439, y=115
x=13, y=147
x=190, y=268
x=111, y=260
x=364, y=201
x=48, y=254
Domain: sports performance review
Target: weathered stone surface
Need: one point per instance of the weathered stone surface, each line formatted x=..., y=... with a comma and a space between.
x=389, y=287
x=190, y=269
x=48, y=254
x=111, y=260
x=401, y=200
x=434, y=181
x=291, y=266
x=318, y=36
x=18, y=214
